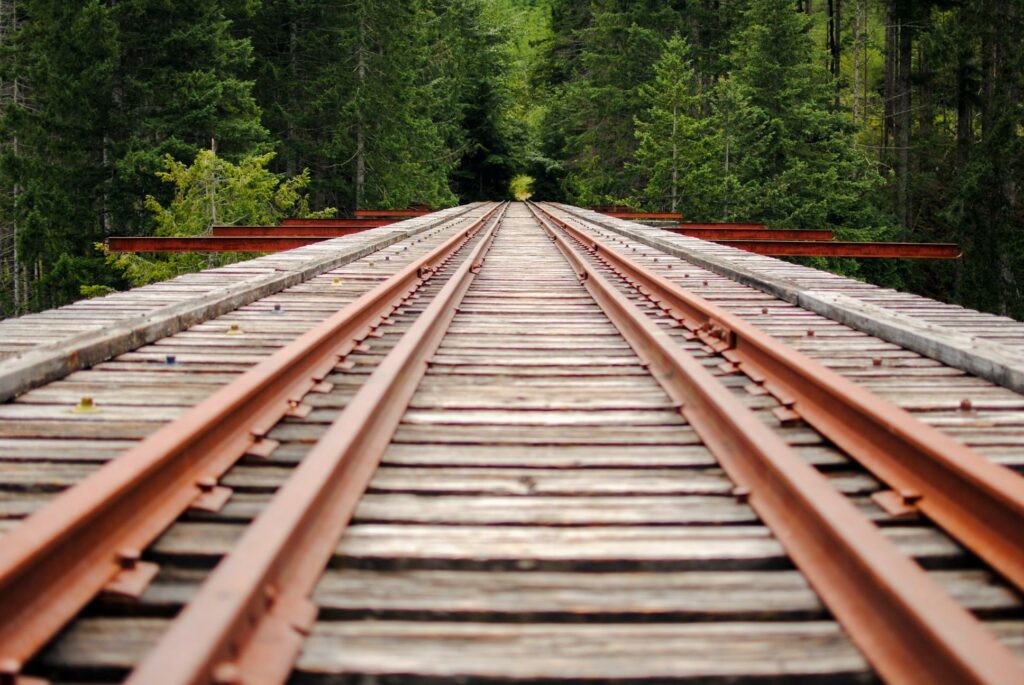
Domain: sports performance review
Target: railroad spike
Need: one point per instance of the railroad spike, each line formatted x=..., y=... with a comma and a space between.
x=86, y=405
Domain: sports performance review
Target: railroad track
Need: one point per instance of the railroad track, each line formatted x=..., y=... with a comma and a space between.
x=521, y=445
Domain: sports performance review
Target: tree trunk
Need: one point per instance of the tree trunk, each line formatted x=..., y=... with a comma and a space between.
x=675, y=157
x=964, y=125
x=360, y=134
x=834, y=39
x=890, y=83
x=291, y=167
x=904, y=120
x=857, y=18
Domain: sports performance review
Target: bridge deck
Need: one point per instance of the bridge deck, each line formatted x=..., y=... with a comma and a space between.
x=542, y=511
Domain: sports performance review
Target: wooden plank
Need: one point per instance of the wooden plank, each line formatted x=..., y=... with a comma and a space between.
x=572, y=597
x=550, y=548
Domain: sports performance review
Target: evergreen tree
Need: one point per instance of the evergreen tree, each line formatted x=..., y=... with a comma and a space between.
x=303, y=78
x=671, y=151
x=795, y=153
x=67, y=55
x=472, y=57
x=113, y=87
x=179, y=85
x=732, y=171
x=619, y=48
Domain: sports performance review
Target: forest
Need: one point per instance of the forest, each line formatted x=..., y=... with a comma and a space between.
x=879, y=119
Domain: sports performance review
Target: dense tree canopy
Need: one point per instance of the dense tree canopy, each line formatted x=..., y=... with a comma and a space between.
x=875, y=118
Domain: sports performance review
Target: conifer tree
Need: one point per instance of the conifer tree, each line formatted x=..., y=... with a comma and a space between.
x=670, y=133
x=180, y=85
x=113, y=88
x=795, y=154
x=618, y=50
x=67, y=58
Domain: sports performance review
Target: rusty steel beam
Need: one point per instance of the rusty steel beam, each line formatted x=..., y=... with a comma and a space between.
x=250, y=615
x=286, y=231
x=979, y=503
x=903, y=621
x=685, y=224
x=91, y=536
x=392, y=212
x=719, y=235
x=210, y=244
x=339, y=223
x=794, y=248
x=645, y=215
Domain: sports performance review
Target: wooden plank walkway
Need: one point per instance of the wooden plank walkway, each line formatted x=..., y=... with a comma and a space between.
x=37, y=348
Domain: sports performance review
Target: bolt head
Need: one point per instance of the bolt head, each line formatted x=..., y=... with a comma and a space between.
x=128, y=557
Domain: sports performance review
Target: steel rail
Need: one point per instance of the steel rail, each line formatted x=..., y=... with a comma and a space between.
x=979, y=503
x=904, y=622
x=340, y=223
x=91, y=536
x=644, y=215
x=685, y=224
x=247, y=621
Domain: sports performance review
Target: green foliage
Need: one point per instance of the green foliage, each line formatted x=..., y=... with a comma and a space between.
x=797, y=160
x=725, y=111
x=213, y=191
x=91, y=291
x=181, y=84
x=110, y=89
x=386, y=103
x=671, y=133
x=68, y=51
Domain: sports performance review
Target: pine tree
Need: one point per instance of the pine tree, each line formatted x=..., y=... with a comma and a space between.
x=619, y=48
x=113, y=87
x=796, y=154
x=179, y=86
x=671, y=150
x=303, y=80
x=67, y=55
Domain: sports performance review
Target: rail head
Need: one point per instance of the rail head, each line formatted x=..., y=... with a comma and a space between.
x=53, y=361
x=908, y=627
x=983, y=358
x=249, y=617
x=55, y=561
x=980, y=503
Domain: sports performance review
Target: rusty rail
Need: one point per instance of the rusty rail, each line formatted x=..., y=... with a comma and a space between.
x=644, y=215
x=91, y=536
x=906, y=625
x=248, y=619
x=979, y=503
x=685, y=224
